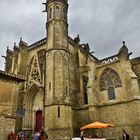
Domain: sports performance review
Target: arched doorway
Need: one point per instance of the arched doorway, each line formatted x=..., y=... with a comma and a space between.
x=38, y=110
x=38, y=120
x=34, y=109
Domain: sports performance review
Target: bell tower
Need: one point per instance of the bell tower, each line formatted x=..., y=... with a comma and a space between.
x=58, y=112
x=57, y=26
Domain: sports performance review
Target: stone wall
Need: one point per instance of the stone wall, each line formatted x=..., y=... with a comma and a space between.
x=123, y=115
x=9, y=101
x=80, y=118
x=8, y=97
x=7, y=125
x=58, y=120
x=136, y=67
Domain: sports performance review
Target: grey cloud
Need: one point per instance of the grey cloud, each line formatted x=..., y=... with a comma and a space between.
x=104, y=24
x=20, y=19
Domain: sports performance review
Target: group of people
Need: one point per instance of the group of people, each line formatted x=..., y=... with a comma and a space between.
x=40, y=135
x=21, y=135
x=125, y=135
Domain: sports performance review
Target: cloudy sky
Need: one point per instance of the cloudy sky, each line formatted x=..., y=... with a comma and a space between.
x=104, y=24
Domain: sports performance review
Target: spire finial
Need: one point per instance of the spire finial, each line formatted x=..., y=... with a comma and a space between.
x=123, y=43
x=20, y=38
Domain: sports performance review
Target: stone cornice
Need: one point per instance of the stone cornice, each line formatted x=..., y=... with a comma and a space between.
x=11, y=76
x=64, y=1
x=108, y=104
x=38, y=43
x=118, y=102
x=8, y=116
x=54, y=49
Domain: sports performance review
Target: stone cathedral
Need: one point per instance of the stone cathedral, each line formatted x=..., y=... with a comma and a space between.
x=58, y=84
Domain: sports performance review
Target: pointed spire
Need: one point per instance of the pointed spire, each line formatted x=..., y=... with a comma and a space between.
x=87, y=47
x=15, y=46
x=123, y=47
x=8, y=50
x=123, y=52
x=77, y=39
x=126, y=48
x=22, y=43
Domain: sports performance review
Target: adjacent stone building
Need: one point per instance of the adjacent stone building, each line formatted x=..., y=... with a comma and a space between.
x=66, y=86
x=11, y=88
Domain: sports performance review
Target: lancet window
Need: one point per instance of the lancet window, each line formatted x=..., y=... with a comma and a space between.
x=85, y=82
x=50, y=13
x=57, y=11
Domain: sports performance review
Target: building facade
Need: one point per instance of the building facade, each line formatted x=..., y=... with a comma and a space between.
x=11, y=94
x=67, y=87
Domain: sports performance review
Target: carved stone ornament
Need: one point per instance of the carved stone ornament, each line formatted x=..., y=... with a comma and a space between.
x=34, y=73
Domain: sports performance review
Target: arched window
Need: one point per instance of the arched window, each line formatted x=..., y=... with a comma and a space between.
x=57, y=7
x=109, y=81
x=57, y=11
x=50, y=13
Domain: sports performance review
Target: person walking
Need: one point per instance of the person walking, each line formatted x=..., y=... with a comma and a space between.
x=36, y=135
x=20, y=135
x=23, y=136
x=11, y=136
x=43, y=135
x=125, y=135
x=81, y=135
x=16, y=136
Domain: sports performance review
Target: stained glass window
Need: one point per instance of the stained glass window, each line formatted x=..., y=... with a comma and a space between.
x=111, y=93
x=109, y=81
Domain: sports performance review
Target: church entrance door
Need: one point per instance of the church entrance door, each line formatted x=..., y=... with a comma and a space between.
x=38, y=124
